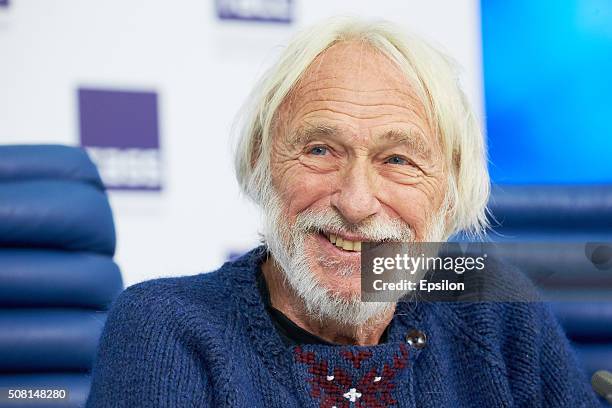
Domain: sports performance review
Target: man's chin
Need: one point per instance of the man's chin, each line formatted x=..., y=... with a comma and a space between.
x=329, y=292
x=344, y=308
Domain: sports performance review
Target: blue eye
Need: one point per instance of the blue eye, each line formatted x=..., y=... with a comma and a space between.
x=396, y=160
x=319, y=150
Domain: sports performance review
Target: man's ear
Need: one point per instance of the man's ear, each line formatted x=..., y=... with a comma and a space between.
x=456, y=160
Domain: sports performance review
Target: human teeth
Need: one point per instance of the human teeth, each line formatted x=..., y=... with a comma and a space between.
x=344, y=243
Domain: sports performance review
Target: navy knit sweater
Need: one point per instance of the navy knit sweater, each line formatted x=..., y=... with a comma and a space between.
x=207, y=341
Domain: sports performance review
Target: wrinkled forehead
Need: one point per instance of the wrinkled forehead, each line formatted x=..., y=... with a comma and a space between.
x=355, y=64
x=357, y=72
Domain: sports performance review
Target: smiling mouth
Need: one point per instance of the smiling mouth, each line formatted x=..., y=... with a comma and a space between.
x=344, y=244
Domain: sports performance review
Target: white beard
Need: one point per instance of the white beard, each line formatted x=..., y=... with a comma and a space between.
x=287, y=246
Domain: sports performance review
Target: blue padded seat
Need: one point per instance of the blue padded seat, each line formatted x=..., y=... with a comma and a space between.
x=565, y=208
x=42, y=277
x=546, y=230
x=49, y=339
x=53, y=162
x=52, y=197
x=57, y=275
x=555, y=264
x=586, y=321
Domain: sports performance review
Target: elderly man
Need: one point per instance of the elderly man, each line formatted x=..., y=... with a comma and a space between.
x=357, y=134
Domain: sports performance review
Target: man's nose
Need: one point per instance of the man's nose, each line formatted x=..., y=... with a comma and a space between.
x=356, y=196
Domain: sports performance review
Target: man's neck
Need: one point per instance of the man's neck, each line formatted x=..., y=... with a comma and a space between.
x=291, y=305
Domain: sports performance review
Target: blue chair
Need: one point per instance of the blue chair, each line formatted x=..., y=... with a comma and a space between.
x=551, y=225
x=57, y=275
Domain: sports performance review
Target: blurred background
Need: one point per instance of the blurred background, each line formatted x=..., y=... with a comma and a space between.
x=151, y=89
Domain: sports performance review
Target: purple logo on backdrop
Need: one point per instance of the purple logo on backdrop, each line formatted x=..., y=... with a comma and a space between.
x=4, y=3
x=120, y=131
x=278, y=11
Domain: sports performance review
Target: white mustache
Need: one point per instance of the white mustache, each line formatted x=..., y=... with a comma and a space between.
x=373, y=229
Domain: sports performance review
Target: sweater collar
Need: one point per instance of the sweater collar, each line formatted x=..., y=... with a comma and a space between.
x=275, y=354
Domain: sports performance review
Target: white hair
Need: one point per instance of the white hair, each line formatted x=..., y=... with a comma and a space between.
x=436, y=80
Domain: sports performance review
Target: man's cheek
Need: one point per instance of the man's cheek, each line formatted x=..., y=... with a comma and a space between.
x=415, y=214
x=307, y=192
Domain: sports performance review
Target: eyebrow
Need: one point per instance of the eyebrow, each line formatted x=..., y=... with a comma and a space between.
x=305, y=134
x=413, y=139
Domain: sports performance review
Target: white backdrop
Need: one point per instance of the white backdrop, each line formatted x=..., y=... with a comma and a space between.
x=202, y=69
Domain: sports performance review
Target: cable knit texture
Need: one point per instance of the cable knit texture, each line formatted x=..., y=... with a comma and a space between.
x=207, y=341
